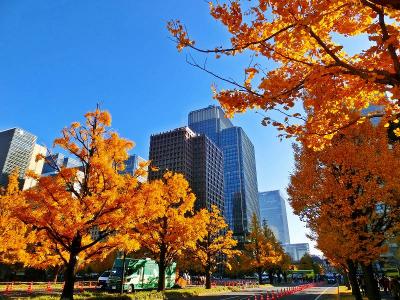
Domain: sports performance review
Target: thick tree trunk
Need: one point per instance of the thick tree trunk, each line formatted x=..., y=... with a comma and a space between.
x=279, y=276
x=208, y=276
x=161, y=270
x=352, y=274
x=69, y=273
x=371, y=285
x=259, y=272
x=271, y=277
x=123, y=274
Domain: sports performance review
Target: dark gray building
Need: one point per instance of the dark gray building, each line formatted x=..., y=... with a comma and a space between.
x=240, y=177
x=16, y=150
x=196, y=157
x=273, y=212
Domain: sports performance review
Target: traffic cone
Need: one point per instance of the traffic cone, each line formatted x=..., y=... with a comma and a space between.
x=30, y=288
x=7, y=289
x=48, y=288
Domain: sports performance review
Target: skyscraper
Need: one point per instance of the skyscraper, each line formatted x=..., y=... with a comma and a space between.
x=18, y=149
x=132, y=164
x=240, y=177
x=58, y=160
x=296, y=251
x=273, y=211
x=196, y=157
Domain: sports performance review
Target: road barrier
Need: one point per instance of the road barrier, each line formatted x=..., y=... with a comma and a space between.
x=43, y=287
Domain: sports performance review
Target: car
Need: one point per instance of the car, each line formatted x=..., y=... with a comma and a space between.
x=103, y=280
x=331, y=280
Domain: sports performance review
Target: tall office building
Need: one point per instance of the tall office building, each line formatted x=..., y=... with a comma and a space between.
x=240, y=177
x=273, y=212
x=296, y=251
x=196, y=157
x=132, y=164
x=18, y=149
x=58, y=160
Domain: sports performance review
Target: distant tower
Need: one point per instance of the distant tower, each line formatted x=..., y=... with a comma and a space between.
x=273, y=212
x=132, y=164
x=58, y=160
x=18, y=149
x=196, y=157
x=240, y=177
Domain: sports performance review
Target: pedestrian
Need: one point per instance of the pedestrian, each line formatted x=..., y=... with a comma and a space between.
x=386, y=284
x=361, y=284
x=395, y=288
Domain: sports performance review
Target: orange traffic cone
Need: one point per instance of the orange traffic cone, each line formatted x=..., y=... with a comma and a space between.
x=7, y=288
x=48, y=288
x=30, y=288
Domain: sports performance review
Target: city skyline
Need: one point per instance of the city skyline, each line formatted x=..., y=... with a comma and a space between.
x=292, y=219
x=61, y=83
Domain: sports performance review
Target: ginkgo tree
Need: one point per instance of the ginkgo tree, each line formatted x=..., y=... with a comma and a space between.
x=14, y=235
x=78, y=214
x=174, y=226
x=300, y=64
x=218, y=246
x=352, y=190
x=260, y=252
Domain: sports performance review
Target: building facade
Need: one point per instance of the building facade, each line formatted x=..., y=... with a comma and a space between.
x=296, y=251
x=273, y=212
x=18, y=149
x=196, y=157
x=240, y=177
x=132, y=164
x=58, y=160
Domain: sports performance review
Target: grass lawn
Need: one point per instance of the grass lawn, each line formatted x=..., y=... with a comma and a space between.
x=173, y=294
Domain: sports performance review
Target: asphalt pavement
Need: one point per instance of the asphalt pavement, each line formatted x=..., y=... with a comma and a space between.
x=313, y=293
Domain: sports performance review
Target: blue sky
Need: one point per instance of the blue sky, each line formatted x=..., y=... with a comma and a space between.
x=59, y=58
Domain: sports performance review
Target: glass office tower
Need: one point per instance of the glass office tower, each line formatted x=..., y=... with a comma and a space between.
x=273, y=212
x=240, y=177
x=16, y=149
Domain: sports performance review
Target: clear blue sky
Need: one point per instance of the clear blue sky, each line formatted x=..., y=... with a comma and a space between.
x=59, y=58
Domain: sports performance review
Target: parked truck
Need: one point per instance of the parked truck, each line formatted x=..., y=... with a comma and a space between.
x=139, y=274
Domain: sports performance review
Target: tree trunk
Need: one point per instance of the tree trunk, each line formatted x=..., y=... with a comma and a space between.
x=352, y=274
x=208, y=276
x=279, y=276
x=161, y=270
x=70, y=270
x=56, y=270
x=371, y=285
x=271, y=277
x=259, y=272
x=123, y=273
x=285, y=277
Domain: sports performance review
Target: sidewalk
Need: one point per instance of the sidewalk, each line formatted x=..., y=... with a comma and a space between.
x=345, y=294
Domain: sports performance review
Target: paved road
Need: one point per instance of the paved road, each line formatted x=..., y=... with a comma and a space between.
x=313, y=293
